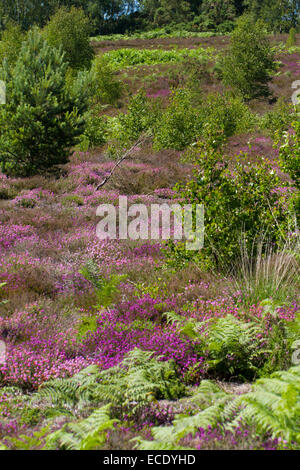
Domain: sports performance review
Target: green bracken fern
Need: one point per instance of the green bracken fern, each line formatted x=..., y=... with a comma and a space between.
x=273, y=406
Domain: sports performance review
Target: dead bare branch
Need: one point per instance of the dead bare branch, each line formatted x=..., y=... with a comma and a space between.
x=126, y=155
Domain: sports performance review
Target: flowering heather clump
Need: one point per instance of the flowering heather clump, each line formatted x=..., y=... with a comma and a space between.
x=13, y=234
x=115, y=336
x=33, y=363
x=37, y=360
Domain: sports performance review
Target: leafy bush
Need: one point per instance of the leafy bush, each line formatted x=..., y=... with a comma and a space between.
x=41, y=120
x=291, y=41
x=178, y=125
x=184, y=120
x=140, y=118
x=289, y=160
x=250, y=61
x=226, y=27
x=227, y=113
x=218, y=12
x=10, y=44
x=95, y=133
x=289, y=153
x=278, y=119
x=234, y=348
x=105, y=290
x=108, y=89
x=34, y=441
x=70, y=30
x=281, y=337
x=139, y=380
x=236, y=201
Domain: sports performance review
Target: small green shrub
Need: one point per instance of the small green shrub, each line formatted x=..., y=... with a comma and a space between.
x=95, y=133
x=34, y=441
x=226, y=27
x=250, y=61
x=139, y=119
x=289, y=160
x=281, y=337
x=291, y=41
x=87, y=434
x=278, y=119
x=234, y=349
x=177, y=127
x=86, y=326
x=193, y=72
x=70, y=29
x=289, y=153
x=227, y=113
x=236, y=201
x=139, y=380
x=10, y=43
x=108, y=89
x=185, y=120
x=30, y=416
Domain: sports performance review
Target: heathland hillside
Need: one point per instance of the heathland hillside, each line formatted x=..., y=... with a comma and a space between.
x=140, y=343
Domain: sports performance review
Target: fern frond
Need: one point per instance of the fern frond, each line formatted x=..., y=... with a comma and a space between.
x=87, y=434
x=138, y=380
x=272, y=406
x=70, y=391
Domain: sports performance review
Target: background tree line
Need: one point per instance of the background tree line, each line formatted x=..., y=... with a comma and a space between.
x=119, y=16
